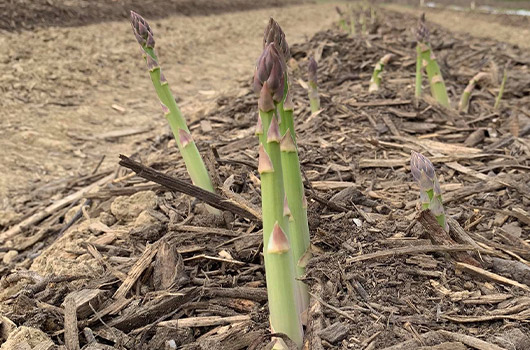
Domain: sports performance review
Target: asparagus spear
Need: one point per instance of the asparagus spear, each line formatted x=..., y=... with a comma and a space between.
x=501, y=90
x=427, y=59
x=314, y=99
x=375, y=82
x=294, y=189
x=463, y=105
x=188, y=149
x=430, y=193
x=283, y=294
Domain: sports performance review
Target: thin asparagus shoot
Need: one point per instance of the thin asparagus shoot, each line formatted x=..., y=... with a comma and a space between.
x=463, y=105
x=375, y=81
x=282, y=289
x=428, y=61
x=430, y=193
x=501, y=90
x=188, y=149
x=314, y=99
x=342, y=20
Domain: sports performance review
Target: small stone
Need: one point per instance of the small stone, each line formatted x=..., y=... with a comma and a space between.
x=26, y=338
x=334, y=333
x=128, y=208
x=145, y=219
x=9, y=257
x=107, y=218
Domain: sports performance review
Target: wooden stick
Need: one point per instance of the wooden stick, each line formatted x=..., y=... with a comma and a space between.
x=178, y=185
x=204, y=321
x=411, y=250
x=71, y=340
x=490, y=275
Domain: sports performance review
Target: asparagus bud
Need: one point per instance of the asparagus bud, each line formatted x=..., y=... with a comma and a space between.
x=184, y=138
x=422, y=32
x=259, y=127
x=274, y=34
x=264, y=161
x=430, y=193
x=273, y=134
x=270, y=73
x=278, y=242
x=142, y=31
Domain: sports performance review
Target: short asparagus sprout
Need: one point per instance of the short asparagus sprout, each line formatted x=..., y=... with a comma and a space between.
x=463, y=105
x=501, y=90
x=426, y=59
x=342, y=21
x=430, y=193
x=282, y=288
x=375, y=82
x=192, y=158
x=314, y=99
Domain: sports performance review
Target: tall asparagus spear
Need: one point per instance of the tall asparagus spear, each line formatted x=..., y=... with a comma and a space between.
x=375, y=81
x=430, y=193
x=188, y=149
x=314, y=99
x=282, y=289
x=294, y=189
x=427, y=59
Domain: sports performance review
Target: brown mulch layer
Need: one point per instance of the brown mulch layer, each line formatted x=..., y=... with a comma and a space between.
x=30, y=14
x=146, y=268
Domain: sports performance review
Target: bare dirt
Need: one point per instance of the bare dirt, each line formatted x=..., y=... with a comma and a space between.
x=157, y=271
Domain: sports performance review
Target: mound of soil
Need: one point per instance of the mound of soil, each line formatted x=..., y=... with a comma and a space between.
x=29, y=14
x=146, y=268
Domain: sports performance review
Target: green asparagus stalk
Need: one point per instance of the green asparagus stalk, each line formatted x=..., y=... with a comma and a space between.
x=417, y=93
x=314, y=99
x=295, y=205
x=428, y=60
x=375, y=82
x=463, y=105
x=353, y=31
x=188, y=149
x=430, y=193
x=501, y=90
x=294, y=189
x=282, y=289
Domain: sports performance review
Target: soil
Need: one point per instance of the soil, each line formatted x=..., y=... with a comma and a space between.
x=31, y=14
x=146, y=268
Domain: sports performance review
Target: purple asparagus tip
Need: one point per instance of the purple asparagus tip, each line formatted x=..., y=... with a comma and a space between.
x=274, y=34
x=270, y=72
x=422, y=32
x=312, y=70
x=142, y=31
x=419, y=163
